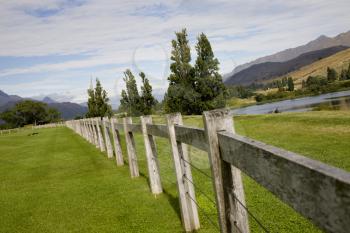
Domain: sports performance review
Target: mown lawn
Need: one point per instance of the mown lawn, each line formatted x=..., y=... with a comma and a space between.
x=56, y=182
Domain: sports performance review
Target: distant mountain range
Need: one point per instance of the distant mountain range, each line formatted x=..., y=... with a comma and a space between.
x=269, y=70
x=68, y=110
x=320, y=43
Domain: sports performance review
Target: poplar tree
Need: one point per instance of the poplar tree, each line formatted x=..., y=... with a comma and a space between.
x=208, y=80
x=331, y=75
x=98, y=102
x=147, y=99
x=181, y=95
x=134, y=103
x=290, y=84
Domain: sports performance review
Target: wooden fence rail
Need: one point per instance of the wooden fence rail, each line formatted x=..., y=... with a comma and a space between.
x=317, y=191
x=15, y=130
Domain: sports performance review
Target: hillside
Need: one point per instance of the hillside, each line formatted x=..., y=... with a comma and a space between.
x=337, y=61
x=288, y=54
x=68, y=110
x=270, y=70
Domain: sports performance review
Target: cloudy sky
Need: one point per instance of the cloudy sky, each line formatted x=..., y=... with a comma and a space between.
x=54, y=47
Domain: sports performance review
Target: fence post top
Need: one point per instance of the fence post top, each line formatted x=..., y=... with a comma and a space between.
x=216, y=113
x=174, y=118
x=146, y=117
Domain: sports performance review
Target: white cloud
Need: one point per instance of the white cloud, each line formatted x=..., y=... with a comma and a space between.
x=137, y=34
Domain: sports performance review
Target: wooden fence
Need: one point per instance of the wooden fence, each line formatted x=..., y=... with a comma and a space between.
x=317, y=191
x=15, y=130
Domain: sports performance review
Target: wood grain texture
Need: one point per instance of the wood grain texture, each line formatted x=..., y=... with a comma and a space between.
x=227, y=180
x=151, y=156
x=130, y=145
x=316, y=190
x=158, y=130
x=191, y=136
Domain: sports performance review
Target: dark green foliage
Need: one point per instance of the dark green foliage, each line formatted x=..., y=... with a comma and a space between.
x=193, y=90
x=181, y=95
x=343, y=75
x=314, y=83
x=147, y=99
x=332, y=75
x=98, y=102
x=290, y=84
x=209, y=83
x=131, y=101
x=348, y=73
x=30, y=112
x=239, y=92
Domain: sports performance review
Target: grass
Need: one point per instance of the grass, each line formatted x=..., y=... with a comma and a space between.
x=55, y=181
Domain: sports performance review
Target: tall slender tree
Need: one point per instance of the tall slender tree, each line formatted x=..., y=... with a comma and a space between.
x=98, y=102
x=208, y=80
x=332, y=75
x=290, y=84
x=132, y=102
x=147, y=99
x=348, y=73
x=181, y=95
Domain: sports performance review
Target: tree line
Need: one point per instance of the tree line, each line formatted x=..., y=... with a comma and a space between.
x=192, y=88
x=28, y=112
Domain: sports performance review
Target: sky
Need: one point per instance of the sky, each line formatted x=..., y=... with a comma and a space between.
x=55, y=47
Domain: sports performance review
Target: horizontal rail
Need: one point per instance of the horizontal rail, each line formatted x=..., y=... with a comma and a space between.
x=135, y=128
x=316, y=190
x=191, y=136
x=158, y=130
x=119, y=126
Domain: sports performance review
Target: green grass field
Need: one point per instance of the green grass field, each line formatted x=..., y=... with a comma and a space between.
x=55, y=181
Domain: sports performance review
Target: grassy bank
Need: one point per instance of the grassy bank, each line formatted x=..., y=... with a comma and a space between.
x=57, y=182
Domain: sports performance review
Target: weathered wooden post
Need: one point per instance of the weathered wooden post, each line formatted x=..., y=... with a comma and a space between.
x=90, y=133
x=151, y=156
x=93, y=125
x=227, y=179
x=116, y=142
x=85, y=130
x=100, y=137
x=187, y=197
x=130, y=145
x=106, y=127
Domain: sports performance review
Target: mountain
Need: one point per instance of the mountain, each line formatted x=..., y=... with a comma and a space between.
x=48, y=100
x=270, y=70
x=337, y=61
x=5, y=98
x=68, y=110
x=288, y=54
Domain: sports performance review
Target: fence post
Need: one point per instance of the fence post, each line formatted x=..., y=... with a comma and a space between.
x=116, y=142
x=130, y=145
x=96, y=142
x=89, y=131
x=100, y=137
x=105, y=121
x=85, y=129
x=187, y=198
x=227, y=179
x=151, y=155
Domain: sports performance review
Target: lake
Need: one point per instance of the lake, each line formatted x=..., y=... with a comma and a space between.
x=336, y=100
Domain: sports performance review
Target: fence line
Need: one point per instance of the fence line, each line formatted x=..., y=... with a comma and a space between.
x=317, y=191
x=15, y=130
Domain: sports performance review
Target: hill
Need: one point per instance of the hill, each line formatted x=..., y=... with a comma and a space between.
x=288, y=54
x=68, y=110
x=270, y=70
x=337, y=61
